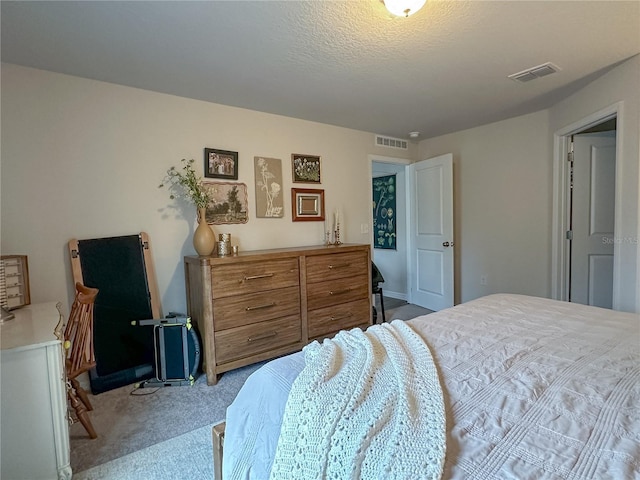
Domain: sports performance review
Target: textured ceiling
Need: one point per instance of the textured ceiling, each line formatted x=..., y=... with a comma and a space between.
x=346, y=63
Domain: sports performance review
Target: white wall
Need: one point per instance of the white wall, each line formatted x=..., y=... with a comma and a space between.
x=503, y=181
x=83, y=159
x=393, y=263
x=620, y=85
x=502, y=203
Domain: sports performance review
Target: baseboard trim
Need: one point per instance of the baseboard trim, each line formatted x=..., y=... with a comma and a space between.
x=396, y=295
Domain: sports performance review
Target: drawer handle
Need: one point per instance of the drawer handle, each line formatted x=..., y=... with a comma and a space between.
x=348, y=315
x=340, y=265
x=258, y=307
x=256, y=277
x=340, y=292
x=264, y=336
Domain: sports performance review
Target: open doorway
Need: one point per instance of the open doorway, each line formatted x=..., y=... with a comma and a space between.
x=392, y=262
x=585, y=211
x=420, y=273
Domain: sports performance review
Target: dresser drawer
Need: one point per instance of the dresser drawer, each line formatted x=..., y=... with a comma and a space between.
x=338, y=317
x=335, y=292
x=336, y=266
x=250, y=277
x=236, y=343
x=251, y=308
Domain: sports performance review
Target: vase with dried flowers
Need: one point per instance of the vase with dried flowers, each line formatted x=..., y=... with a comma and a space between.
x=185, y=183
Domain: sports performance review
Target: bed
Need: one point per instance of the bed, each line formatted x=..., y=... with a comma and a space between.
x=532, y=388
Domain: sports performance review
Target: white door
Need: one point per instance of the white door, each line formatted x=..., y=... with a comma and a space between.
x=592, y=215
x=430, y=227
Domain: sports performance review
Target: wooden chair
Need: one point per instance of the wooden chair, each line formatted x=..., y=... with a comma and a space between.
x=79, y=355
x=376, y=280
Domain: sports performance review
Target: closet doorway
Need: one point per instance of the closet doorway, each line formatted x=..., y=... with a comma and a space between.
x=592, y=190
x=585, y=254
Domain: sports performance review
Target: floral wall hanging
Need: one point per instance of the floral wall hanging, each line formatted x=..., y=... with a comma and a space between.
x=384, y=212
x=268, y=178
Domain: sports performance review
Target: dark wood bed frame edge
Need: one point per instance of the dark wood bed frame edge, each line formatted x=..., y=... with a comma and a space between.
x=218, y=444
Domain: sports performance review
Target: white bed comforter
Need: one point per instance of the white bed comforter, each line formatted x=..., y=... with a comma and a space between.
x=533, y=388
x=538, y=389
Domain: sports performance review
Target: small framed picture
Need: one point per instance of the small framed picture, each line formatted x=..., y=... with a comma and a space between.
x=305, y=168
x=307, y=204
x=220, y=164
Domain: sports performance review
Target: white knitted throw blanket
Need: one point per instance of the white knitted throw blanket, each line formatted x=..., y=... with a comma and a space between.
x=367, y=405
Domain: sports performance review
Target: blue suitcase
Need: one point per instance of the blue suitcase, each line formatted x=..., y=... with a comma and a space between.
x=177, y=351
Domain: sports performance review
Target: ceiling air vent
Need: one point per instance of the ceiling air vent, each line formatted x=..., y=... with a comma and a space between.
x=535, y=72
x=391, y=142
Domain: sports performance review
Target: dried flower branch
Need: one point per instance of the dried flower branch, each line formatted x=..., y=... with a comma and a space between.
x=185, y=183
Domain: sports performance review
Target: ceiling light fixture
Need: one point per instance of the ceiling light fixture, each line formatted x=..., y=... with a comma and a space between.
x=403, y=8
x=414, y=135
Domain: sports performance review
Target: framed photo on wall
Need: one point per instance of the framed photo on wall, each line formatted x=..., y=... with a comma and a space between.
x=220, y=164
x=305, y=168
x=307, y=204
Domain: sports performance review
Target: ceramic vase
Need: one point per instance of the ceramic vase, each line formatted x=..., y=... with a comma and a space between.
x=204, y=240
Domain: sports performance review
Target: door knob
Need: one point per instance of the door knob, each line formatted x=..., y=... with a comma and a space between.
x=445, y=244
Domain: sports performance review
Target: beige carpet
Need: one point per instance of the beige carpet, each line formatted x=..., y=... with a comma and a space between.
x=129, y=420
x=399, y=309
x=186, y=457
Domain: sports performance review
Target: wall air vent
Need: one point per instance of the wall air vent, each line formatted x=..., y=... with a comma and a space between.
x=535, y=72
x=390, y=142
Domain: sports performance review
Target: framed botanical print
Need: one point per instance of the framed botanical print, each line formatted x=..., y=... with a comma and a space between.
x=268, y=178
x=384, y=212
x=305, y=168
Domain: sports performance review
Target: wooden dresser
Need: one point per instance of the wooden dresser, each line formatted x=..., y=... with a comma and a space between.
x=261, y=304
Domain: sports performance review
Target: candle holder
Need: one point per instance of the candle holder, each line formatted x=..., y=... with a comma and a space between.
x=336, y=237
